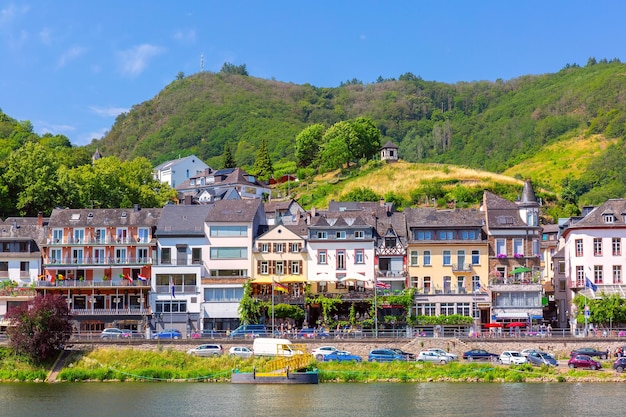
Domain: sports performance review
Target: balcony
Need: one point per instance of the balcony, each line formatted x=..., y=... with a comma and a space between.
x=109, y=240
x=110, y=311
x=96, y=261
x=110, y=283
x=462, y=267
x=391, y=274
x=178, y=289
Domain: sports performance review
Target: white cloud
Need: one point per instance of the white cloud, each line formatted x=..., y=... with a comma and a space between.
x=70, y=55
x=134, y=61
x=10, y=14
x=108, y=111
x=188, y=36
x=55, y=129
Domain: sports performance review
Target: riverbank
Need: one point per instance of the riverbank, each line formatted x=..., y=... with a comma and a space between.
x=171, y=365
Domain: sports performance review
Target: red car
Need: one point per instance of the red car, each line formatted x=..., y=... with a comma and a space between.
x=584, y=361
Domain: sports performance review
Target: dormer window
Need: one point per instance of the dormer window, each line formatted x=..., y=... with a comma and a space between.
x=609, y=219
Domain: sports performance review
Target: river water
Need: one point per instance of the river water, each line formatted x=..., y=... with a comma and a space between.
x=352, y=399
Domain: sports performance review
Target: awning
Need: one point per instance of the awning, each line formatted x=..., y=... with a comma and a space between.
x=286, y=279
x=512, y=315
x=520, y=270
x=262, y=280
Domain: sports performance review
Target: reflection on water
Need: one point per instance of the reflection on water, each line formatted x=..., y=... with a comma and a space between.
x=362, y=400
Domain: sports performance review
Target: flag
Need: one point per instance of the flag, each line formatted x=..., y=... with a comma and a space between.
x=60, y=277
x=126, y=276
x=382, y=285
x=141, y=277
x=590, y=285
x=50, y=278
x=172, y=288
x=280, y=287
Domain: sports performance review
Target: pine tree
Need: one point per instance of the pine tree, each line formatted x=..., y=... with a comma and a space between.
x=229, y=160
x=263, y=168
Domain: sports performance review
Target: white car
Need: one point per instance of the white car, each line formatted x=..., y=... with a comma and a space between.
x=453, y=356
x=434, y=357
x=320, y=352
x=241, y=351
x=527, y=352
x=512, y=357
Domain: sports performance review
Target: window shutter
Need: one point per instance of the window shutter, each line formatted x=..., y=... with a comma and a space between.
x=274, y=247
x=272, y=267
x=258, y=267
x=289, y=267
x=300, y=265
x=299, y=247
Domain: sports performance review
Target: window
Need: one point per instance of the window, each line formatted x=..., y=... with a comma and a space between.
x=120, y=255
x=426, y=258
x=430, y=309
x=390, y=242
x=223, y=294
x=294, y=247
x=422, y=235
x=359, y=234
x=518, y=246
x=100, y=235
x=264, y=268
x=609, y=218
x=561, y=267
x=468, y=235
x=359, y=256
x=447, y=285
x=229, y=253
x=121, y=235
x=501, y=247
x=427, y=285
x=460, y=284
x=415, y=282
x=447, y=309
x=562, y=285
x=579, y=247
x=322, y=235
x=166, y=255
x=445, y=235
x=340, y=234
x=414, y=258
x=463, y=309
x=460, y=259
x=170, y=306
x=616, y=244
x=597, y=274
x=536, y=247
x=229, y=231
x=295, y=267
x=580, y=276
x=279, y=247
x=447, y=257
x=475, y=283
x=617, y=274
x=55, y=256
x=341, y=259
x=79, y=236
x=57, y=236
x=597, y=246
x=196, y=255
x=475, y=257
x=265, y=247
x=280, y=268
x=24, y=266
x=321, y=257
x=143, y=235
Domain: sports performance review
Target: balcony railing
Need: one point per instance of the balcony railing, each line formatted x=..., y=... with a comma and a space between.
x=95, y=261
x=178, y=289
x=109, y=240
x=109, y=311
x=391, y=274
x=72, y=283
x=461, y=267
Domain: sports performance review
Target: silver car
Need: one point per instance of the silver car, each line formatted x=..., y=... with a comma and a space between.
x=206, y=350
x=434, y=357
x=241, y=351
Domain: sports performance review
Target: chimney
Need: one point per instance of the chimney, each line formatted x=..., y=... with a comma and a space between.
x=313, y=214
x=40, y=219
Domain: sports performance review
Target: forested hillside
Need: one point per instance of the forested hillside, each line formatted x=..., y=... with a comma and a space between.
x=493, y=126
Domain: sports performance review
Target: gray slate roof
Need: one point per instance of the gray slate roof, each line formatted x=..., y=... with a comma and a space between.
x=145, y=217
x=183, y=220
x=234, y=210
x=430, y=217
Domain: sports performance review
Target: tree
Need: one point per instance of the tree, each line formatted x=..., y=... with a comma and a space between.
x=39, y=328
x=360, y=194
x=335, y=151
x=308, y=144
x=367, y=140
x=263, y=167
x=249, y=308
x=229, y=160
x=229, y=68
x=180, y=75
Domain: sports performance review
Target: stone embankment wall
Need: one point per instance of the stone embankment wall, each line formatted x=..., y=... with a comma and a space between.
x=560, y=347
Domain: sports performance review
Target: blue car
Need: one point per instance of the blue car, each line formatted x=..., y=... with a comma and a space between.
x=385, y=355
x=341, y=356
x=168, y=334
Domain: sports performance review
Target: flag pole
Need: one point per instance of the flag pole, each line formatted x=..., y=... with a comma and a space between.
x=375, y=310
x=273, y=325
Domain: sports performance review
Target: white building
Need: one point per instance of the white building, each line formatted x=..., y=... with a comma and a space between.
x=177, y=171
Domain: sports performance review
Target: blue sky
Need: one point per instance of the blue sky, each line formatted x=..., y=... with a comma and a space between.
x=71, y=66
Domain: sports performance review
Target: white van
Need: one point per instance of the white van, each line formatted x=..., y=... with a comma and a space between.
x=263, y=346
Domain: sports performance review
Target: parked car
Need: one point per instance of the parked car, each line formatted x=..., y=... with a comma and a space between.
x=241, y=351
x=168, y=334
x=583, y=361
x=479, y=354
x=320, y=352
x=434, y=357
x=539, y=358
x=602, y=354
x=527, y=352
x=206, y=350
x=249, y=330
x=384, y=355
x=311, y=333
x=114, y=333
x=512, y=357
x=342, y=356
x=620, y=364
x=453, y=356
x=408, y=356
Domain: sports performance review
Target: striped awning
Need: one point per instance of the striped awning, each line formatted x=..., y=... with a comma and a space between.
x=288, y=279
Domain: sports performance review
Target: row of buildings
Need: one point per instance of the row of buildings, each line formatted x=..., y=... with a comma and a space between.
x=185, y=266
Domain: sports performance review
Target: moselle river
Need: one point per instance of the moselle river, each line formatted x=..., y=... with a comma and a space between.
x=328, y=400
